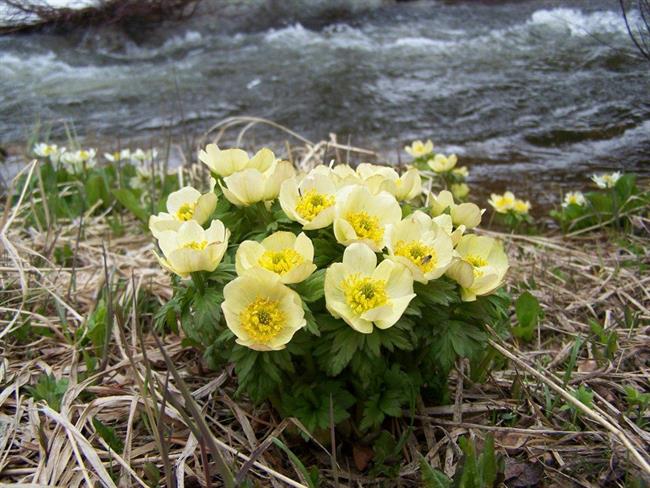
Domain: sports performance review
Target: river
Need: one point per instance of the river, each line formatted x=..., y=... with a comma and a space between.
x=532, y=95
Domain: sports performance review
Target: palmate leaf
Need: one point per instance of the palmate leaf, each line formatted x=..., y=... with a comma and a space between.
x=260, y=373
x=312, y=289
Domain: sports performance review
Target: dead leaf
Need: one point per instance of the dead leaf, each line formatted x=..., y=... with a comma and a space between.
x=587, y=366
x=362, y=456
x=522, y=474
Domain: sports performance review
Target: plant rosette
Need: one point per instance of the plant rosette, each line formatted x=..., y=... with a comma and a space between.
x=339, y=294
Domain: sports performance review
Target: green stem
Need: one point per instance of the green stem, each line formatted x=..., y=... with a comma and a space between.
x=199, y=280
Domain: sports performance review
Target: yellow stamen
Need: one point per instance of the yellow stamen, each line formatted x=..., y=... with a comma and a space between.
x=186, y=212
x=280, y=261
x=363, y=293
x=313, y=203
x=423, y=256
x=197, y=246
x=262, y=319
x=366, y=226
x=476, y=262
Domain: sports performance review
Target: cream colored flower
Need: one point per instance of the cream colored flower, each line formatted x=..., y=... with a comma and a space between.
x=184, y=205
x=250, y=186
x=574, y=198
x=311, y=202
x=79, y=160
x=480, y=268
x=441, y=163
x=463, y=172
x=363, y=217
x=118, y=156
x=521, y=206
x=382, y=178
x=344, y=175
x=467, y=214
x=229, y=161
x=283, y=253
x=190, y=248
x=460, y=190
x=419, y=244
x=418, y=148
x=50, y=151
x=445, y=223
x=606, y=180
x=263, y=313
x=502, y=203
x=362, y=293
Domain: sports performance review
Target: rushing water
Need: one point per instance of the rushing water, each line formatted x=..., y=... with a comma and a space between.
x=526, y=92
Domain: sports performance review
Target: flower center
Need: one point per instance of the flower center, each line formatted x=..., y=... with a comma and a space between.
x=363, y=293
x=423, y=256
x=312, y=203
x=476, y=262
x=366, y=226
x=186, y=212
x=280, y=261
x=196, y=245
x=262, y=319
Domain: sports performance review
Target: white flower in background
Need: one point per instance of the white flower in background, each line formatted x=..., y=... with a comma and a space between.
x=50, y=151
x=182, y=206
x=462, y=172
x=521, y=206
x=574, y=198
x=467, y=214
x=190, y=248
x=419, y=244
x=140, y=156
x=226, y=162
x=79, y=160
x=607, y=180
x=460, y=190
x=117, y=156
x=310, y=202
x=251, y=185
x=283, y=253
x=502, y=203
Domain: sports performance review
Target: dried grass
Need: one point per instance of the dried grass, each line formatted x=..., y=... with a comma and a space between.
x=576, y=280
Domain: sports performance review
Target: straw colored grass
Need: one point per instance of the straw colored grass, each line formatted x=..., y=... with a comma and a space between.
x=592, y=277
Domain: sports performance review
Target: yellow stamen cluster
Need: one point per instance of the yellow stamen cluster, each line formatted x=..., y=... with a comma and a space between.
x=312, y=203
x=364, y=293
x=197, y=246
x=280, y=261
x=476, y=262
x=423, y=256
x=186, y=212
x=366, y=226
x=263, y=319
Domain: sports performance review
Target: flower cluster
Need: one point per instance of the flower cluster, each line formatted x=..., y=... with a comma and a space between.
x=276, y=269
x=606, y=180
x=508, y=203
x=385, y=250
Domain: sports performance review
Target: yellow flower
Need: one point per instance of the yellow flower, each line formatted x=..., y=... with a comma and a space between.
x=382, y=178
x=183, y=205
x=250, y=186
x=502, y=203
x=190, y=248
x=283, y=253
x=310, y=203
x=421, y=245
x=480, y=268
x=463, y=172
x=467, y=214
x=460, y=190
x=418, y=148
x=363, y=217
x=362, y=293
x=263, y=313
x=441, y=163
x=521, y=207
x=574, y=198
x=229, y=161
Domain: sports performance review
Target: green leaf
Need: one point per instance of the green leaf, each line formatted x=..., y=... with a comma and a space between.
x=442, y=291
x=109, y=435
x=528, y=312
x=432, y=478
x=312, y=289
x=296, y=462
x=129, y=201
x=50, y=390
x=202, y=323
x=345, y=343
